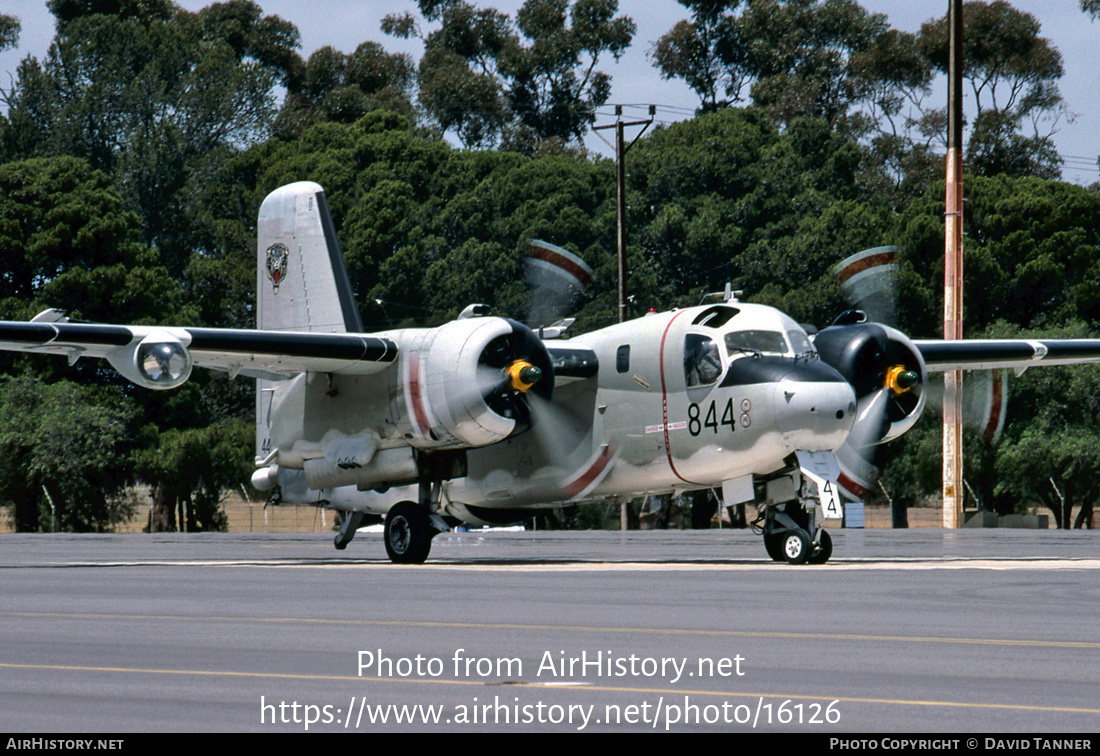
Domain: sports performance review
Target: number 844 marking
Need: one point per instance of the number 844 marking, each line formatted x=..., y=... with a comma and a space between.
x=698, y=422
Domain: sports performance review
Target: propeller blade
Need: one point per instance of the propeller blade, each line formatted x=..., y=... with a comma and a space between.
x=859, y=456
x=556, y=431
x=556, y=281
x=868, y=280
x=985, y=402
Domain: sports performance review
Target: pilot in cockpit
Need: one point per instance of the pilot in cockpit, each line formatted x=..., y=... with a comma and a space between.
x=702, y=363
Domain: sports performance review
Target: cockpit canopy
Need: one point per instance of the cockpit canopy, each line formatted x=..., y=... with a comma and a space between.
x=748, y=331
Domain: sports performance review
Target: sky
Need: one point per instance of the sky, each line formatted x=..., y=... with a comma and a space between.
x=344, y=24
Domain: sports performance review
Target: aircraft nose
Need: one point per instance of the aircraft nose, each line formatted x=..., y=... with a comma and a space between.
x=815, y=407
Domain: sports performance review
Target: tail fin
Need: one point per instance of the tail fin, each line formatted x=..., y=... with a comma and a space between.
x=301, y=281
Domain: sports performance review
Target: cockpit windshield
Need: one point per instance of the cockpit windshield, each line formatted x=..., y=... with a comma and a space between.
x=800, y=342
x=756, y=342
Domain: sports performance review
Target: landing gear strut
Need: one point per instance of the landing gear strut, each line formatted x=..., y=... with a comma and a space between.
x=352, y=522
x=411, y=526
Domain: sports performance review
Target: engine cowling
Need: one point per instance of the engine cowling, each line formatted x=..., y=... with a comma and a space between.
x=471, y=382
x=886, y=371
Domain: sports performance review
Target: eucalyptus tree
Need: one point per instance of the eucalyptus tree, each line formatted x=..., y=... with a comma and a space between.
x=487, y=77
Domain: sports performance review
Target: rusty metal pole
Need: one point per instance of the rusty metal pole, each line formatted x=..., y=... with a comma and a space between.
x=953, y=276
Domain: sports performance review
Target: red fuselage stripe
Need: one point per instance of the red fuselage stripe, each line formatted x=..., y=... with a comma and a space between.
x=420, y=415
x=664, y=402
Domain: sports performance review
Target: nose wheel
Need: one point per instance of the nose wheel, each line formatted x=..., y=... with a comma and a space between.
x=787, y=536
x=797, y=546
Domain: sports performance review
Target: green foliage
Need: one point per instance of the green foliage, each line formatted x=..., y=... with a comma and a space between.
x=68, y=11
x=332, y=86
x=193, y=466
x=1029, y=265
x=725, y=197
x=65, y=446
x=1012, y=73
x=1029, y=253
x=1051, y=435
x=480, y=80
x=155, y=97
x=428, y=228
x=9, y=31
x=836, y=62
x=69, y=244
x=800, y=58
x=692, y=51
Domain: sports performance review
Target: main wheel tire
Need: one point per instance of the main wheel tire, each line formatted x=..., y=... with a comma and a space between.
x=408, y=533
x=796, y=546
x=773, y=544
x=824, y=552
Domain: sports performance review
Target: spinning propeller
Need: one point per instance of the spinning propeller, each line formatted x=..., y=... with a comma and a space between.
x=880, y=368
x=883, y=366
x=512, y=368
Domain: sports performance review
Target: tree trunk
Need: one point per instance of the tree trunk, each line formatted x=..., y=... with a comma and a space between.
x=164, y=511
x=26, y=513
x=1084, y=517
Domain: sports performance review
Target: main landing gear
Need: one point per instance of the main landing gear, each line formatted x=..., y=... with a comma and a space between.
x=409, y=533
x=411, y=525
x=787, y=535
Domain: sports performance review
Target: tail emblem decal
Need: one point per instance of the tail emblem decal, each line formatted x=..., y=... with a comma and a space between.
x=276, y=264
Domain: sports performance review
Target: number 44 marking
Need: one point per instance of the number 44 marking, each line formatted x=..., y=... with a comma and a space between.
x=830, y=500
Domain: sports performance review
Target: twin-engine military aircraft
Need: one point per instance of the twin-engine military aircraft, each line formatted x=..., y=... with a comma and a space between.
x=483, y=421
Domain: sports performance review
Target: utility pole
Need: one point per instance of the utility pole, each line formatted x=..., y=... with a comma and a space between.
x=621, y=148
x=953, y=275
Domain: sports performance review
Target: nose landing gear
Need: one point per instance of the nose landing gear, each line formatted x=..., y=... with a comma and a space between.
x=787, y=532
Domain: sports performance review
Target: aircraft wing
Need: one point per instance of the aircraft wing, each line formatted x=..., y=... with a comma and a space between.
x=982, y=354
x=262, y=354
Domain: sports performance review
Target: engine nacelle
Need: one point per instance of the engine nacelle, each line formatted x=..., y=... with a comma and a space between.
x=470, y=382
x=870, y=356
x=159, y=361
